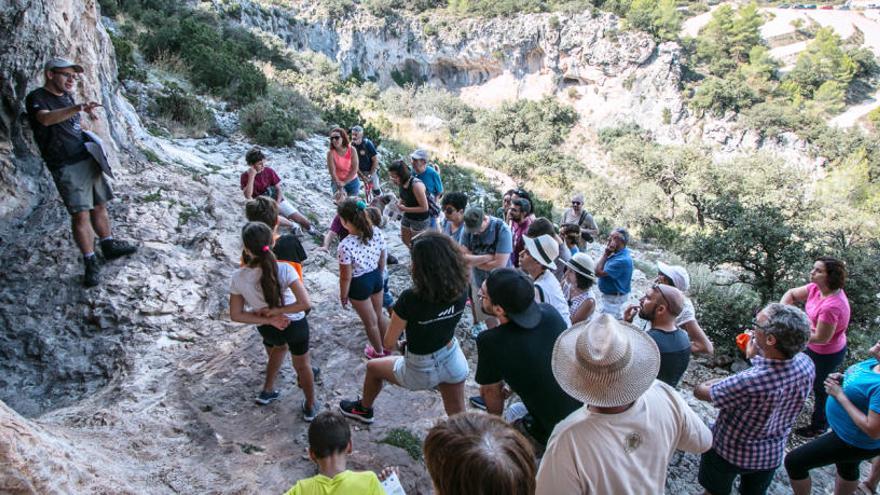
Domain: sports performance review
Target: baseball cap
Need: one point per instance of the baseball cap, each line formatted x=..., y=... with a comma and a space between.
x=473, y=219
x=419, y=154
x=514, y=292
x=62, y=63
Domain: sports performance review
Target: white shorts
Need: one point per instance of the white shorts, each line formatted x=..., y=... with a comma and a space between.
x=286, y=209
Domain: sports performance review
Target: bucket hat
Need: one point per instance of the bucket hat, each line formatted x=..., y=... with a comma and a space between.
x=544, y=249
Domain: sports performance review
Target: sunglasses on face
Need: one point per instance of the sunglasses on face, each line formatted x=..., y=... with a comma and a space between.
x=576, y=203
x=449, y=211
x=334, y=138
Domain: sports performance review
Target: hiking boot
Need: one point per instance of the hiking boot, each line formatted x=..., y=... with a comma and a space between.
x=309, y=414
x=353, y=409
x=112, y=249
x=478, y=402
x=93, y=271
x=267, y=397
x=316, y=372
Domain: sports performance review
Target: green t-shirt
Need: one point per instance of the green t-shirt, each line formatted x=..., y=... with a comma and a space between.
x=344, y=483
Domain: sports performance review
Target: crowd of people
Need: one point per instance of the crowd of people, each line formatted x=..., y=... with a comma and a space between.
x=577, y=398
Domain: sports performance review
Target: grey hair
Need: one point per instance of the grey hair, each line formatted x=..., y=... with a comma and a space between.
x=789, y=325
x=624, y=234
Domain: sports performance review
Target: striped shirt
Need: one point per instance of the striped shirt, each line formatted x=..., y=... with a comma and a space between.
x=757, y=408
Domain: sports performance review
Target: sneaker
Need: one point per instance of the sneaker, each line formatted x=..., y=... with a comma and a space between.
x=267, y=397
x=392, y=260
x=353, y=409
x=809, y=431
x=93, y=271
x=112, y=249
x=477, y=329
x=309, y=414
x=478, y=402
x=316, y=372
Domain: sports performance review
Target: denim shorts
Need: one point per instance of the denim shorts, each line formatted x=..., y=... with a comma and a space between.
x=415, y=225
x=364, y=286
x=352, y=188
x=424, y=371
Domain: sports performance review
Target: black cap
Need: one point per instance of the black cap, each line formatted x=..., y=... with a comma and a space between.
x=514, y=292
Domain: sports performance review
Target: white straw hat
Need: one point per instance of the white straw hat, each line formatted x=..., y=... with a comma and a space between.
x=583, y=264
x=679, y=276
x=544, y=249
x=606, y=362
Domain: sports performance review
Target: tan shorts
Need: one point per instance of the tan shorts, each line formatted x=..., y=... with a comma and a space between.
x=82, y=186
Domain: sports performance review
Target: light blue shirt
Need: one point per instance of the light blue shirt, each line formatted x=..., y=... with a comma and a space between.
x=861, y=384
x=433, y=184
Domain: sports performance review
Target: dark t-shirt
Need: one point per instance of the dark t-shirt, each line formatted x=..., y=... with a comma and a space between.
x=62, y=143
x=521, y=357
x=264, y=182
x=337, y=228
x=429, y=326
x=675, y=354
x=408, y=197
x=289, y=248
x=366, y=151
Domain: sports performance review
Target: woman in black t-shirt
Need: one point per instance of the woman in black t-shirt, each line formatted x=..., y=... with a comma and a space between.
x=413, y=201
x=429, y=311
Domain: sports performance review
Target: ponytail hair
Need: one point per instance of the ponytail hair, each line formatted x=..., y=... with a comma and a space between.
x=354, y=211
x=257, y=239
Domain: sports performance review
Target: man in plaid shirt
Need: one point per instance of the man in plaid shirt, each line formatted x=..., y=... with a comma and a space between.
x=757, y=407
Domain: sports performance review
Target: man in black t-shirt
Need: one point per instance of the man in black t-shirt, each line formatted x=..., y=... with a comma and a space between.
x=660, y=306
x=55, y=120
x=519, y=352
x=368, y=160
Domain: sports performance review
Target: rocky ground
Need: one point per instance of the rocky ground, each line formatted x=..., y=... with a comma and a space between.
x=144, y=385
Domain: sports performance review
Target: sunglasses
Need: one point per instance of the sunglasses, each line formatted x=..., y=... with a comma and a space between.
x=449, y=211
x=659, y=291
x=757, y=326
x=576, y=203
x=334, y=138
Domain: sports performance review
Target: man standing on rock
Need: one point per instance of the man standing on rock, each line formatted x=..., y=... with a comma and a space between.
x=615, y=269
x=577, y=215
x=757, y=407
x=431, y=178
x=76, y=170
x=368, y=162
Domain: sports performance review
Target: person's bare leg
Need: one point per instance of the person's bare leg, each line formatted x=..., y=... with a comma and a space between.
x=874, y=477
x=100, y=221
x=406, y=237
x=381, y=321
x=83, y=234
x=379, y=371
x=367, y=314
x=284, y=222
x=453, y=397
x=303, y=366
x=301, y=220
x=845, y=487
x=802, y=487
x=276, y=359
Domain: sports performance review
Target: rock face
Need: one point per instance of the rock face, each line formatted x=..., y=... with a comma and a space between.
x=43, y=30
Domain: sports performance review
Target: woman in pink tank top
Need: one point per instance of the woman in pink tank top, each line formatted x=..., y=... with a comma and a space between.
x=827, y=307
x=342, y=163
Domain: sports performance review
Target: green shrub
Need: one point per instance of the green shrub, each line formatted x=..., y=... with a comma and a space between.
x=279, y=118
x=109, y=8
x=874, y=118
x=177, y=106
x=125, y=63
x=724, y=308
x=346, y=117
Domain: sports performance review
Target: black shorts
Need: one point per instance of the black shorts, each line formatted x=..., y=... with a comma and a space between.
x=717, y=476
x=295, y=336
x=364, y=286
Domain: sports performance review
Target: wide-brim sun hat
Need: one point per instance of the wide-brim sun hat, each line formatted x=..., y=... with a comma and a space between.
x=677, y=274
x=606, y=362
x=544, y=249
x=582, y=264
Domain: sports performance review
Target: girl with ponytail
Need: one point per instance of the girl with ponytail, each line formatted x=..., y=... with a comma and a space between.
x=278, y=304
x=361, y=258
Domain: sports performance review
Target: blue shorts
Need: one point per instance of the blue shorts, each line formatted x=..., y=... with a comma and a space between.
x=295, y=336
x=352, y=188
x=364, y=286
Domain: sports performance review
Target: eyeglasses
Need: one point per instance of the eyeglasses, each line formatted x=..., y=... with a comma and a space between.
x=67, y=75
x=578, y=203
x=334, y=138
x=449, y=211
x=757, y=326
